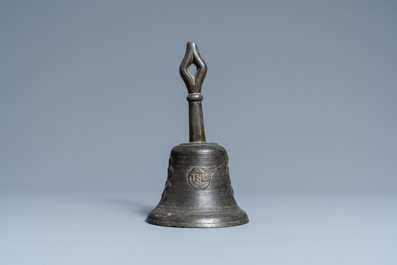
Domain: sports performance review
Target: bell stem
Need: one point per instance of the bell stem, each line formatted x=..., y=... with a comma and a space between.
x=193, y=84
x=196, y=122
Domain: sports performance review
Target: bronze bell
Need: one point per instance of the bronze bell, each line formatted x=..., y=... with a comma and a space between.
x=198, y=191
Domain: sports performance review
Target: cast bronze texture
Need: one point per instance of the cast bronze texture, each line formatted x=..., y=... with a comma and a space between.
x=198, y=191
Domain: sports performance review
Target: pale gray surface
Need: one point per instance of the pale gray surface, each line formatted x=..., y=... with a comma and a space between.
x=302, y=94
x=297, y=228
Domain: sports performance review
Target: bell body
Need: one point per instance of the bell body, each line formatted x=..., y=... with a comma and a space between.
x=198, y=191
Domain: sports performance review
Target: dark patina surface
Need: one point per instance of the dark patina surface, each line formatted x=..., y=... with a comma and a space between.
x=198, y=191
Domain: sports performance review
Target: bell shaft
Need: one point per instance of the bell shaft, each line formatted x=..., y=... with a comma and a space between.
x=193, y=84
x=196, y=122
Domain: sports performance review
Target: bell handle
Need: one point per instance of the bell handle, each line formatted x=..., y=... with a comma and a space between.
x=192, y=56
x=193, y=84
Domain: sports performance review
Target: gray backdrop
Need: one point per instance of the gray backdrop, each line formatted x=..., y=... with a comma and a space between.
x=302, y=94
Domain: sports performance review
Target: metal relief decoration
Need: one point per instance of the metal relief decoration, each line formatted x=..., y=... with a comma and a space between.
x=199, y=178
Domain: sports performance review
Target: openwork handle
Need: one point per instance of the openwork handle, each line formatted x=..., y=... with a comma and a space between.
x=192, y=56
x=193, y=85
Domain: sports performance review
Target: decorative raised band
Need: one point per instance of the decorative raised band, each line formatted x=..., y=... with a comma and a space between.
x=194, y=97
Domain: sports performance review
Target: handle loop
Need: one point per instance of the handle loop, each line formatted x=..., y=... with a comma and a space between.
x=192, y=56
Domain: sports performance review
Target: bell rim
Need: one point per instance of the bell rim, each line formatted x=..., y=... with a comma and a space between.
x=195, y=224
